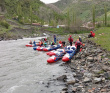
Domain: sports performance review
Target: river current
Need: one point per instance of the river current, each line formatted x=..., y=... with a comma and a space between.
x=24, y=70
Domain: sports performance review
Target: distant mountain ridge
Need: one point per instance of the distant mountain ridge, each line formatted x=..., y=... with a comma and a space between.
x=83, y=8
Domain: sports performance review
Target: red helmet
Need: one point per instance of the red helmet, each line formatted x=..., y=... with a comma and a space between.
x=90, y=31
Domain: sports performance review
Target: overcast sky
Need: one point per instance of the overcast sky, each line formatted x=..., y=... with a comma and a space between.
x=49, y=1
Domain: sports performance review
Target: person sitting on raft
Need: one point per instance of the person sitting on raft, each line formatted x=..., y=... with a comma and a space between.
x=52, y=43
x=41, y=43
x=45, y=39
x=30, y=42
x=70, y=39
x=34, y=42
x=91, y=34
x=45, y=44
x=78, y=44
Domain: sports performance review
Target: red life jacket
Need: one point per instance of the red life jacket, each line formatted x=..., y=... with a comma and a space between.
x=70, y=39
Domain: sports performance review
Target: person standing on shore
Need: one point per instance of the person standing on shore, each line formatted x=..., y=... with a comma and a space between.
x=80, y=39
x=78, y=44
x=54, y=36
x=70, y=39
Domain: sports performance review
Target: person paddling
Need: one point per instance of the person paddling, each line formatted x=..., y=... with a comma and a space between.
x=70, y=39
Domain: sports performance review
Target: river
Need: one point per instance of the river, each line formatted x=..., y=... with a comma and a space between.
x=23, y=70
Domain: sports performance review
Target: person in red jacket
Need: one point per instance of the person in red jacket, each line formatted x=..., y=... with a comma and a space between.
x=78, y=44
x=91, y=35
x=70, y=39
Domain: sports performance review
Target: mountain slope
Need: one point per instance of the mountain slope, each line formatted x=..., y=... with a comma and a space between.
x=28, y=9
x=83, y=8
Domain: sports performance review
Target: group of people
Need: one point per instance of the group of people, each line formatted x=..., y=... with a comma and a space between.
x=78, y=42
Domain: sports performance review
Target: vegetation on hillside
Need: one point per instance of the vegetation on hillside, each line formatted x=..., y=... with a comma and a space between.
x=28, y=11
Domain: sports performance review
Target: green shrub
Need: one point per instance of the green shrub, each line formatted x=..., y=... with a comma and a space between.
x=5, y=24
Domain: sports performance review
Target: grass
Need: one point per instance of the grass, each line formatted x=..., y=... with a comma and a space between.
x=103, y=37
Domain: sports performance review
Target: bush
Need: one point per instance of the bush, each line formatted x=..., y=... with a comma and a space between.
x=5, y=24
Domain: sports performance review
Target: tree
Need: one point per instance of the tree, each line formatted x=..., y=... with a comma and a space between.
x=31, y=15
x=68, y=19
x=19, y=9
x=105, y=10
x=93, y=15
x=2, y=5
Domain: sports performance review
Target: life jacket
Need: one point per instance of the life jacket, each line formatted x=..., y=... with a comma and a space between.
x=70, y=39
x=52, y=43
x=45, y=39
x=78, y=43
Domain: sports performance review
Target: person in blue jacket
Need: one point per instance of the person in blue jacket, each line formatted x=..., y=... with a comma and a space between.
x=34, y=43
x=54, y=36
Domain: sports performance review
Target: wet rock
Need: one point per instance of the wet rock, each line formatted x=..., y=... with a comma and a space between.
x=63, y=77
x=65, y=89
x=97, y=80
x=63, y=92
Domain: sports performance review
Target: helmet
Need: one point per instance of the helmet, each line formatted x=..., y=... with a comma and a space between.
x=70, y=35
x=90, y=31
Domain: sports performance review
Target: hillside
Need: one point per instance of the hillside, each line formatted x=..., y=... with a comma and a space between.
x=83, y=8
x=26, y=10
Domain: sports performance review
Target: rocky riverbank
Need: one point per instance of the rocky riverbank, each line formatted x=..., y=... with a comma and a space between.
x=88, y=71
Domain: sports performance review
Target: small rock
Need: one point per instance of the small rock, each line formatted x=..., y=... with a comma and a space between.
x=105, y=68
x=71, y=82
x=103, y=90
x=89, y=75
x=87, y=80
x=97, y=80
x=65, y=89
x=63, y=77
x=107, y=75
x=74, y=89
x=63, y=92
x=90, y=59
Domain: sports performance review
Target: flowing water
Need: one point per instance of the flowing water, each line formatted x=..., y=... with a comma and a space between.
x=23, y=70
